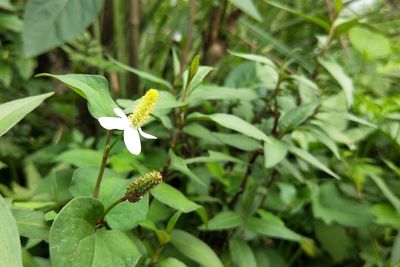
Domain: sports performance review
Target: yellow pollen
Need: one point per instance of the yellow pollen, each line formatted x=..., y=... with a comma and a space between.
x=143, y=109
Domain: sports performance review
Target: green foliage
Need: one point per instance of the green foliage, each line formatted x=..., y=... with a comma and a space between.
x=277, y=128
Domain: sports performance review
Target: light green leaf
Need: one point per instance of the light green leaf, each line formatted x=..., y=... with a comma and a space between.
x=195, y=249
x=254, y=57
x=81, y=157
x=386, y=215
x=31, y=223
x=6, y=4
x=393, y=199
x=294, y=117
x=341, y=77
x=330, y=206
x=198, y=78
x=272, y=226
x=212, y=92
x=10, y=22
x=50, y=23
x=325, y=139
x=14, y=111
x=10, y=247
x=179, y=164
x=241, y=253
x=74, y=240
x=234, y=123
x=172, y=262
x=93, y=88
x=335, y=241
x=142, y=74
x=223, y=220
x=395, y=255
x=166, y=100
x=312, y=160
x=320, y=22
x=248, y=7
x=174, y=198
x=214, y=156
x=371, y=45
x=274, y=153
x=6, y=74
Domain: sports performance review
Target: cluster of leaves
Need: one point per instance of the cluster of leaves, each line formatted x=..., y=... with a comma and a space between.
x=284, y=153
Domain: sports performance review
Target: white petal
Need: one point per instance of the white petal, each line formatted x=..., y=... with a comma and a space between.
x=132, y=140
x=112, y=123
x=146, y=135
x=120, y=113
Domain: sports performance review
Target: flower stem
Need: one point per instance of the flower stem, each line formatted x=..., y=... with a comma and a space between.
x=106, y=150
x=115, y=203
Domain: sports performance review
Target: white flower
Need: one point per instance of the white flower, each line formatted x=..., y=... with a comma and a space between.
x=131, y=132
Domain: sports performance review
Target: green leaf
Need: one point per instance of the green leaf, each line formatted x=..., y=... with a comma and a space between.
x=142, y=74
x=194, y=67
x=344, y=25
x=74, y=240
x=317, y=21
x=234, y=123
x=212, y=92
x=329, y=206
x=172, y=262
x=393, y=199
x=31, y=223
x=166, y=100
x=294, y=117
x=50, y=23
x=5, y=4
x=10, y=247
x=6, y=74
x=341, y=77
x=198, y=78
x=10, y=22
x=81, y=157
x=306, y=156
x=124, y=216
x=223, y=220
x=241, y=253
x=14, y=111
x=386, y=215
x=254, y=57
x=214, y=156
x=322, y=137
x=274, y=153
x=179, y=164
x=395, y=256
x=174, y=198
x=248, y=7
x=369, y=44
x=335, y=241
x=272, y=226
x=195, y=249
x=93, y=88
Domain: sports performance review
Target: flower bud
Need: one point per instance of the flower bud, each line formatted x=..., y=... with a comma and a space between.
x=142, y=185
x=143, y=109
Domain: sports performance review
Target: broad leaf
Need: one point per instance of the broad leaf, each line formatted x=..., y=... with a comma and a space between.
x=75, y=241
x=195, y=249
x=50, y=23
x=10, y=247
x=125, y=215
x=31, y=223
x=93, y=88
x=12, y=112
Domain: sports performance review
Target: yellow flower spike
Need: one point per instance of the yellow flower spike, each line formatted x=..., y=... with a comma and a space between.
x=143, y=109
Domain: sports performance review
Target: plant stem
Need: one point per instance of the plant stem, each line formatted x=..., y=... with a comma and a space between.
x=115, y=203
x=188, y=43
x=106, y=150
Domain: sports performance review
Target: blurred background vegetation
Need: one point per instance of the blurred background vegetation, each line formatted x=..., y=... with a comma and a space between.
x=321, y=78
